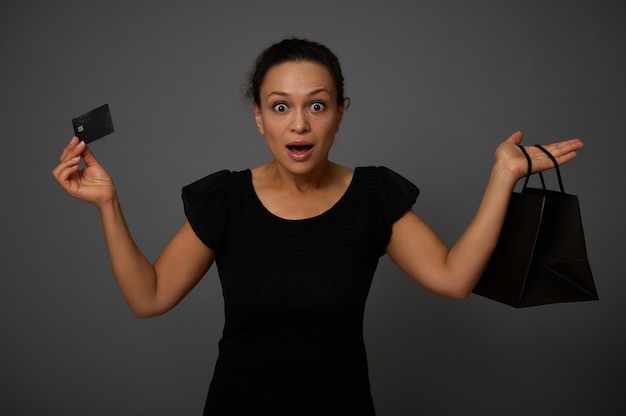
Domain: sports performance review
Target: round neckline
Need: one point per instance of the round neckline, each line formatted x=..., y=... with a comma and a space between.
x=300, y=220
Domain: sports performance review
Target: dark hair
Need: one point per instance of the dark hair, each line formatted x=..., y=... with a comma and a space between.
x=293, y=50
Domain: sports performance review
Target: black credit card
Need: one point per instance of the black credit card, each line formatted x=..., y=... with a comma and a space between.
x=94, y=124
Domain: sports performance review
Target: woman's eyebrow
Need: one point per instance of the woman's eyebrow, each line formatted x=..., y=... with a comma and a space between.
x=318, y=91
x=285, y=94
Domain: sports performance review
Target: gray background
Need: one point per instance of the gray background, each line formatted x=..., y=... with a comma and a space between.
x=435, y=86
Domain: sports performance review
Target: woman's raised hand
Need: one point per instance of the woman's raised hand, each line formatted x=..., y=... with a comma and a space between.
x=509, y=156
x=92, y=184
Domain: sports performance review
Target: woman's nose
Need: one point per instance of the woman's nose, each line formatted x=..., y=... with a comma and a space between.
x=300, y=122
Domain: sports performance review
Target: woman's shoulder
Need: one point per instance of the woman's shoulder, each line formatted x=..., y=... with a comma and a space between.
x=388, y=184
x=214, y=180
x=382, y=174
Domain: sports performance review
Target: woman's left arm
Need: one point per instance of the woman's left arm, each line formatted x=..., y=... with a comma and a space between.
x=453, y=272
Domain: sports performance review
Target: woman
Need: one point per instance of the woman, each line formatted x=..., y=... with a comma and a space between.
x=296, y=242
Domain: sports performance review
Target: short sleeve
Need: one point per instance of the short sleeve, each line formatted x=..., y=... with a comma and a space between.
x=206, y=209
x=397, y=195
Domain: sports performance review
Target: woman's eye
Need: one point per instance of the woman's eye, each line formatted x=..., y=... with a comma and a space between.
x=280, y=107
x=317, y=106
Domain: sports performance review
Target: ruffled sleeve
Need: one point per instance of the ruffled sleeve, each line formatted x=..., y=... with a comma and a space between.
x=397, y=195
x=205, y=204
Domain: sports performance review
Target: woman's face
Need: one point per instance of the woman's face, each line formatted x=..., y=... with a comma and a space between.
x=298, y=115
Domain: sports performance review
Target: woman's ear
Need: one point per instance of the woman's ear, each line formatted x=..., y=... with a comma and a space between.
x=341, y=108
x=258, y=118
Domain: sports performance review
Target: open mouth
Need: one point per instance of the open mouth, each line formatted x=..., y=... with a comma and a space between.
x=299, y=151
x=299, y=148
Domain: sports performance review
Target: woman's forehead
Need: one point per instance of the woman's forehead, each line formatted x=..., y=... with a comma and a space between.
x=298, y=77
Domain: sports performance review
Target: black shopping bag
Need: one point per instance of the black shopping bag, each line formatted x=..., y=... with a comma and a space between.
x=541, y=256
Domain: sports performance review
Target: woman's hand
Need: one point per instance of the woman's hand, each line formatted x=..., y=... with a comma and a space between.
x=454, y=272
x=92, y=184
x=512, y=160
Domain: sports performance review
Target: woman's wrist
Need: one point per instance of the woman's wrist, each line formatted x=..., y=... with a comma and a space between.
x=502, y=174
x=110, y=204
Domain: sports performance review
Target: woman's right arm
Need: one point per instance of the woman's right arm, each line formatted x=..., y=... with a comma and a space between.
x=149, y=290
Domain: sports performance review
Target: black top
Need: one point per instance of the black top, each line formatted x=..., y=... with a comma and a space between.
x=294, y=291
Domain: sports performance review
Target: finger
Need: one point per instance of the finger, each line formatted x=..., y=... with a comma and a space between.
x=69, y=148
x=565, y=151
x=564, y=147
x=562, y=152
x=88, y=156
x=66, y=164
x=64, y=171
x=73, y=149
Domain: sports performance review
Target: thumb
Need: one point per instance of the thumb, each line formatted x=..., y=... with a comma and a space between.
x=516, y=138
x=88, y=157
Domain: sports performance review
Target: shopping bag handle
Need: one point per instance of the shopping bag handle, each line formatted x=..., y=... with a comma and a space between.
x=530, y=168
